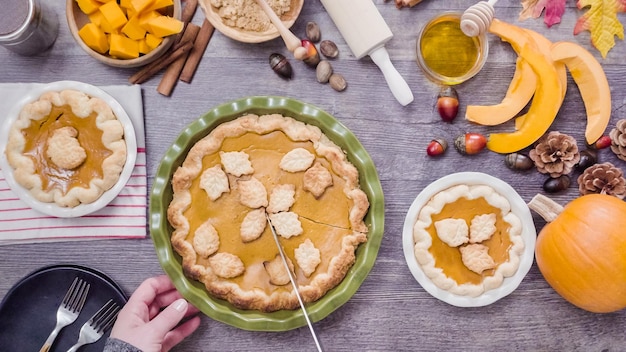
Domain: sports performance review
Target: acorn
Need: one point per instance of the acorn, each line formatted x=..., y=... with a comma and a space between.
x=588, y=157
x=281, y=65
x=436, y=147
x=517, y=161
x=448, y=104
x=470, y=143
x=602, y=142
x=558, y=184
x=312, y=57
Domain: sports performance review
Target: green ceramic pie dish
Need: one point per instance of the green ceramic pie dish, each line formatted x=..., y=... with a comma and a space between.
x=221, y=310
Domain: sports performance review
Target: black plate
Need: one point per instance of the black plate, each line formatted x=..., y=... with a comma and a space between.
x=28, y=311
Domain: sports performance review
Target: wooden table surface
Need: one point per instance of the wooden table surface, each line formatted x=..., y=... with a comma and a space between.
x=390, y=311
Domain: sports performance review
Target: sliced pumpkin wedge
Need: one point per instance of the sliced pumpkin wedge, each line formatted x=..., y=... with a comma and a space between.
x=592, y=84
x=542, y=111
x=545, y=47
x=521, y=88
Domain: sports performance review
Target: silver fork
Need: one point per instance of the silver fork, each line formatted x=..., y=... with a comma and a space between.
x=69, y=309
x=97, y=325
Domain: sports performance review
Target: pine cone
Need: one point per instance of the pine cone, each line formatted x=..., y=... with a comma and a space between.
x=602, y=178
x=555, y=154
x=618, y=139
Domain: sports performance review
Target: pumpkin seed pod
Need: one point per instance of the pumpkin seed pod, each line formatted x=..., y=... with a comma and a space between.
x=448, y=104
x=517, y=161
x=558, y=184
x=587, y=158
x=470, y=143
x=323, y=71
x=337, y=82
x=436, y=147
x=281, y=65
x=329, y=49
x=313, y=32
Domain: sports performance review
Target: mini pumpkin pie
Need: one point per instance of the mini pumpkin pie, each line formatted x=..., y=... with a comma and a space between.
x=258, y=166
x=66, y=148
x=467, y=239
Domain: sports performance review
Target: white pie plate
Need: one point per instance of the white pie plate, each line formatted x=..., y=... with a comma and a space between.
x=518, y=207
x=82, y=209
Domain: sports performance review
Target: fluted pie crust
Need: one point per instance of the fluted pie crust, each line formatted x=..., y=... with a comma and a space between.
x=323, y=223
x=443, y=263
x=67, y=148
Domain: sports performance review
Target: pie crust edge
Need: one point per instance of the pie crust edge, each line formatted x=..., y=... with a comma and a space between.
x=82, y=105
x=422, y=239
x=191, y=168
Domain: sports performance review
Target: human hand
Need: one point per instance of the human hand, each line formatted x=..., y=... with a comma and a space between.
x=144, y=324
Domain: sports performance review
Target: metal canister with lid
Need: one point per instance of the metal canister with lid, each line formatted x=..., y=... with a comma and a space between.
x=27, y=27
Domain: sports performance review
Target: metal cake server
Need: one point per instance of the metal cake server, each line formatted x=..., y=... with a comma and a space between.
x=293, y=283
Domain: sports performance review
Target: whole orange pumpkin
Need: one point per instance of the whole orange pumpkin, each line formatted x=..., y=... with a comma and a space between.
x=581, y=252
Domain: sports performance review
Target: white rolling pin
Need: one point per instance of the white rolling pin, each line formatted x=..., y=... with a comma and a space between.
x=366, y=32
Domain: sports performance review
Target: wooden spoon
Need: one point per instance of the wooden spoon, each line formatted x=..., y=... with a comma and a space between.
x=291, y=41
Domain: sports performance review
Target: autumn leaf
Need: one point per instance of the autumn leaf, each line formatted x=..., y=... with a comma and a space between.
x=601, y=22
x=534, y=8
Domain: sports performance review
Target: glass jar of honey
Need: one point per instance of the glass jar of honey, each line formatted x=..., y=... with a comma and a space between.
x=445, y=54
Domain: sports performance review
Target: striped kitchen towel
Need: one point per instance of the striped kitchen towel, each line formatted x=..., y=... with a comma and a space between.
x=124, y=217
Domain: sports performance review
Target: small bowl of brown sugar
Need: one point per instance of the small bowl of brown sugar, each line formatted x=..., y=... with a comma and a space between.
x=245, y=21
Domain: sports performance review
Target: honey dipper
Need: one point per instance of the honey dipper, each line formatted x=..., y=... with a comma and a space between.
x=477, y=18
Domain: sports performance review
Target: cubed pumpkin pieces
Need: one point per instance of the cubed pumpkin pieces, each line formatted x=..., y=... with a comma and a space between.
x=98, y=19
x=94, y=37
x=123, y=47
x=125, y=4
x=88, y=6
x=133, y=30
x=140, y=5
x=159, y=4
x=113, y=14
x=152, y=40
x=146, y=17
x=164, y=26
x=123, y=28
x=143, y=46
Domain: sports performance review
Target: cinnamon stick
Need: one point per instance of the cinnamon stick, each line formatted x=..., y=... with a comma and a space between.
x=152, y=69
x=199, y=46
x=189, y=10
x=170, y=77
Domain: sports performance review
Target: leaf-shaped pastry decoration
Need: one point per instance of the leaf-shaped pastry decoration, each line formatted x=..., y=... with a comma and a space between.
x=534, y=8
x=601, y=21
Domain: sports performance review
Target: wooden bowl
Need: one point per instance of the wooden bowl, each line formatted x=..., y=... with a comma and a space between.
x=247, y=36
x=76, y=19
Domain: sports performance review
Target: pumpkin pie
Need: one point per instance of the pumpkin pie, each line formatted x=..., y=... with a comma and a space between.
x=467, y=239
x=66, y=148
x=257, y=166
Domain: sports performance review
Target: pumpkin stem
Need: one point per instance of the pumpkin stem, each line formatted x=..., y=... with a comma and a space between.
x=545, y=207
